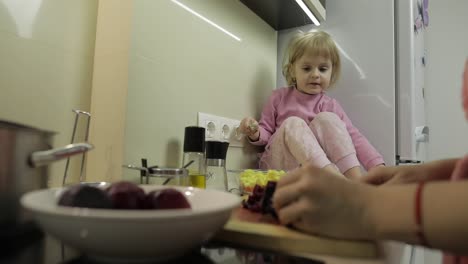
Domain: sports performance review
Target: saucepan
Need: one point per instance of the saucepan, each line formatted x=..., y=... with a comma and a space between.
x=25, y=153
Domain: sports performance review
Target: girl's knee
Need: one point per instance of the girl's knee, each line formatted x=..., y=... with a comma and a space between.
x=326, y=118
x=293, y=121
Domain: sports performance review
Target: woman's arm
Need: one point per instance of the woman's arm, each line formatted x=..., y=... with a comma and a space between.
x=444, y=214
x=323, y=202
x=431, y=171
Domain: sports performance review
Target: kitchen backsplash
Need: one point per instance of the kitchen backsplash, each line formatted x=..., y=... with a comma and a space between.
x=194, y=56
x=142, y=68
x=46, y=51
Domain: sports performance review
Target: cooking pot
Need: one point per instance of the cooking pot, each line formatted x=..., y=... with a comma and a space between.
x=24, y=152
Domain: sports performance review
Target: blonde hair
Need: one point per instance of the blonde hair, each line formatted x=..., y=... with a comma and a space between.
x=318, y=43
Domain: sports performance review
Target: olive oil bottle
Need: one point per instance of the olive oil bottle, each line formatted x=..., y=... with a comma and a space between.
x=198, y=181
x=194, y=155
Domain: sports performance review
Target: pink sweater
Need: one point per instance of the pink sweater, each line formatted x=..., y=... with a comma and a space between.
x=287, y=101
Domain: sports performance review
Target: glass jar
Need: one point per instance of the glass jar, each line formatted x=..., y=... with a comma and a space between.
x=194, y=162
x=194, y=155
x=216, y=175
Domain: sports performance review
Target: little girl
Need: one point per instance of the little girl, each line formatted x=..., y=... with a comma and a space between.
x=301, y=124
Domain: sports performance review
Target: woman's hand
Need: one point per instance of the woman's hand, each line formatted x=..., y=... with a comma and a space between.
x=249, y=127
x=376, y=166
x=435, y=170
x=323, y=202
x=465, y=90
x=395, y=175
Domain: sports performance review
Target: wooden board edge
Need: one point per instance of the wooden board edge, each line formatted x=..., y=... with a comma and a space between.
x=282, y=239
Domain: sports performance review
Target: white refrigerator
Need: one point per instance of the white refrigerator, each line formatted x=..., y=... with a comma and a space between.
x=382, y=83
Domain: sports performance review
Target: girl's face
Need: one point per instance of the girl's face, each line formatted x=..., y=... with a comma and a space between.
x=312, y=73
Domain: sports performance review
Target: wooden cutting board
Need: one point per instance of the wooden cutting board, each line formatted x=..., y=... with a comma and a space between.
x=250, y=229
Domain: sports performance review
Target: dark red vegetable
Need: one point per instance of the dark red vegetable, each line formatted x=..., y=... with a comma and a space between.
x=166, y=199
x=126, y=195
x=260, y=199
x=85, y=196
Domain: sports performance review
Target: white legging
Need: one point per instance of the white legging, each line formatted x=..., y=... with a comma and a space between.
x=322, y=142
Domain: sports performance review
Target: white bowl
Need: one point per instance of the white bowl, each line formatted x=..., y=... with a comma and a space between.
x=133, y=235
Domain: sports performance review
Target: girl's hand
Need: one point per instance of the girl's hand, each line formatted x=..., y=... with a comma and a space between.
x=323, y=202
x=249, y=127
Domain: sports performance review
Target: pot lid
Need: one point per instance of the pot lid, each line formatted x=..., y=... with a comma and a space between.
x=168, y=172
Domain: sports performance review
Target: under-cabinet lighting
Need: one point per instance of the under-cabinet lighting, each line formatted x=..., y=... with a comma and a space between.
x=206, y=20
x=308, y=12
x=24, y=14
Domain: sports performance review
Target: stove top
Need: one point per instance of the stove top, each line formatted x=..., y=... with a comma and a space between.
x=194, y=258
x=25, y=244
x=20, y=243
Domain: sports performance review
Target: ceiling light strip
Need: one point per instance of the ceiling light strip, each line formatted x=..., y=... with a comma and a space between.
x=206, y=20
x=308, y=12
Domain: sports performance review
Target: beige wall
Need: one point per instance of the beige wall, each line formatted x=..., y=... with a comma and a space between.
x=181, y=65
x=46, y=51
x=109, y=90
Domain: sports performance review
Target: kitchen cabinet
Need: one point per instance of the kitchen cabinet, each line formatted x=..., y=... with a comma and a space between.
x=284, y=14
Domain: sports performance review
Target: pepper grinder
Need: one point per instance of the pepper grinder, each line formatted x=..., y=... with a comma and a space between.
x=194, y=155
x=216, y=175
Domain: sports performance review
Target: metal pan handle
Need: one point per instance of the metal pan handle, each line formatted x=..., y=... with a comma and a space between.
x=41, y=158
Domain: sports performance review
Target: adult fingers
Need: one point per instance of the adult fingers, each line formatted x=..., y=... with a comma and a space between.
x=293, y=186
x=291, y=213
x=377, y=176
x=288, y=178
x=286, y=195
x=301, y=224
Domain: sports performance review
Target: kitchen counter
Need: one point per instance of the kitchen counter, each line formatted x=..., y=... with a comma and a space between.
x=43, y=249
